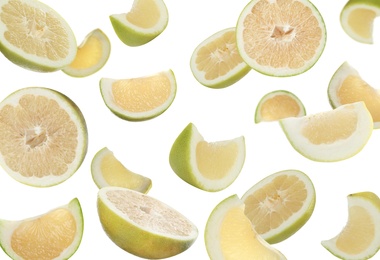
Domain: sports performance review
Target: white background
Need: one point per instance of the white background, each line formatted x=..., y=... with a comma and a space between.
x=143, y=147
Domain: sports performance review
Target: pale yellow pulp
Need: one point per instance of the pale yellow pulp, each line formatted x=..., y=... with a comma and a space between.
x=144, y=14
x=89, y=54
x=360, y=21
x=278, y=107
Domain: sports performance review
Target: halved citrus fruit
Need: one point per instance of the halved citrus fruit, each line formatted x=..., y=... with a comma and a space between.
x=92, y=55
x=34, y=36
x=332, y=135
x=230, y=235
x=280, y=204
x=280, y=38
x=55, y=234
x=277, y=105
x=216, y=62
x=210, y=166
x=145, y=21
x=143, y=225
x=360, y=238
x=43, y=136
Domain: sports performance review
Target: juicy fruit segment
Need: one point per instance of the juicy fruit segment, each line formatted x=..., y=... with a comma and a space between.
x=216, y=62
x=280, y=38
x=210, y=166
x=56, y=234
x=143, y=225
x=280, y=204
x=360, y=238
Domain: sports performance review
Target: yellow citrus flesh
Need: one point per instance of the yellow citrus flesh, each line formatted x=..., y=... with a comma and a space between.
x=360, y=21
x=144, y=13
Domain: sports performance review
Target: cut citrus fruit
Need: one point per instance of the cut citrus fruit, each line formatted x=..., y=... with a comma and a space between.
x=216, y=62
x=56, y=234
x=107, y=170
x=332, y=135
x=142, y=98
x=230, y=235
x=92, y=55
x=145, y=21
x=143, y=225
x=360, y=238
x=34, y=36
x=280, y=38
x=210, y=166
x=346, y=86
x=43, y=136
x=277, y=105
x=280, y=204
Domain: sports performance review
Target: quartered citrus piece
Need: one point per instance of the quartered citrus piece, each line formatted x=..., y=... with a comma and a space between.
x=332, y=135
x=92, y=55
x=360, y=238
x=216, y=62
x=55, y=234
x=141, y=98
x=230, y=235
x=145, y=21
x=280, y=38
x=277, y=105
x=143, y=225
x=43, y=136
x=34, y=36
x=280, y=204
x=210, y=166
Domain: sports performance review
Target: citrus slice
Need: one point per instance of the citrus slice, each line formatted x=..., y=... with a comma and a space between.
x=277, y=105
x=230, y=235
x=332, y=135
x=107, y=170
x=43, y=136
x=142, y=98
x=216, y=62
x=145, y=21
x=143, y=225
x=210, y=166
x=360, y=238
x=280, y=204
x=280, y=38
x=92, y=55
x=347, y=86
x=55, y=234
x=34, y=36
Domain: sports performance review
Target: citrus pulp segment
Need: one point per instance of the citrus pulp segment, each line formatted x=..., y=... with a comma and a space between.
x=216, y=62
x=210, y=166
x=143, y=225
x=55, y=234
x=43, y=136
x=280, y=204
x=34, y=36
x=280, y=38
x=360, y=238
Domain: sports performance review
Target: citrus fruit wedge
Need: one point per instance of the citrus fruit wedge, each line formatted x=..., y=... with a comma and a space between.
x=360, y=238
x=332, y=135
x=55, y=234
x=216, y=62
x=209, y=166
x=143, y=225
x=145, y=21
x=347, y=86
x=92, y=55
x=141, y=98
x=34, y=36
x=280, y=38
x=230, y=235
x=280, y=204
x=107, y=170
x=43, y=136
x=277, y=105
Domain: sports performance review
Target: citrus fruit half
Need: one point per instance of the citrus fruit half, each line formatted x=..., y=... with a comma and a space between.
x=43, y=136
x=143, y=225
x=280, y=38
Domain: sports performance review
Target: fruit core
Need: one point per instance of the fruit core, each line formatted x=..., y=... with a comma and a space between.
x=144, y=13
x=278, y=107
